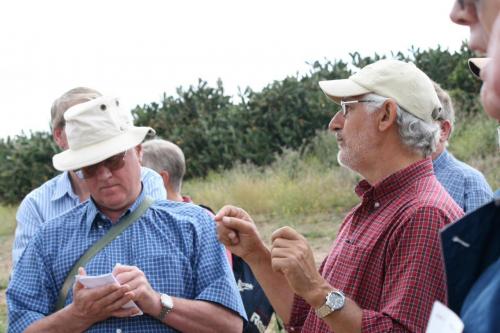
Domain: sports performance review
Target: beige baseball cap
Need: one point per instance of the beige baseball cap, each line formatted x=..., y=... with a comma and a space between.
x=402, y=81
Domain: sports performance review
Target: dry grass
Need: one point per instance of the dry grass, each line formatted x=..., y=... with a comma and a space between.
x=7, y=227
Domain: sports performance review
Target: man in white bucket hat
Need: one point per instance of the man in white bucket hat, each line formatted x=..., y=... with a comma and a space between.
x=384, y=271
x=65, y=190
x=167, y=261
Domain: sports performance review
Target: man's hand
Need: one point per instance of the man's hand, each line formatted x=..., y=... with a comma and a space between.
x=238, y=233
x=141, y=291
x=293, y=257
x=98, y=304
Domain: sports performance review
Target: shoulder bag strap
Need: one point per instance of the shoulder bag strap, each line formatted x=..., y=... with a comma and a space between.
x=98, y=246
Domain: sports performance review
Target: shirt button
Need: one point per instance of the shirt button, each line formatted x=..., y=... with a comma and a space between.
x=376, y=205
x=118, y=330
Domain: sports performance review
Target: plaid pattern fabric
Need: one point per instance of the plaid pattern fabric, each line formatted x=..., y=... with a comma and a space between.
x=466, y=185
x=55, y=197
x=174, y=244
x=387, y=255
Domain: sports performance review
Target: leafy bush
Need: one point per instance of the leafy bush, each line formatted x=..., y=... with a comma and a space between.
x=217, y=131
x=26, y=162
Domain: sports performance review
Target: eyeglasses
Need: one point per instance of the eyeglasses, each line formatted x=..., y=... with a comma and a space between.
x=345, y=105
x=112, y=163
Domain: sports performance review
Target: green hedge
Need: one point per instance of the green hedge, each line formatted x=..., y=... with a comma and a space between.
x=216, y=131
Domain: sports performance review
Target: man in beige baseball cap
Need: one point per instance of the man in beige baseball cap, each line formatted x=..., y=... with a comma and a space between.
x=168, y=261
x=384, y=271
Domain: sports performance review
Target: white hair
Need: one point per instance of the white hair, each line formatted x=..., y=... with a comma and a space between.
x=415, y=133
x=162, y=155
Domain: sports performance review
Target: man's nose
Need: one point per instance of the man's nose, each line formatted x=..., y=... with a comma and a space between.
x=103, y=172
x=463, y=14
x=337, y=122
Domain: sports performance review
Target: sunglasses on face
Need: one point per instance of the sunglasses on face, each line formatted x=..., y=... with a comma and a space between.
x=112, y=163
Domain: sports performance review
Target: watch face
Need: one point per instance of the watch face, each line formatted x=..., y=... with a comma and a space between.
x=335, y=300
x=166, y=301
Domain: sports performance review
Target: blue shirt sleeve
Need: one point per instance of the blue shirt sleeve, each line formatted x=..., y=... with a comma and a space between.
x=28, y=221
x=31, y=292
x=215, y=280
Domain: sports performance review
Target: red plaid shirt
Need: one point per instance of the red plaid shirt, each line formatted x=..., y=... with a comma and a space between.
x=387, y=255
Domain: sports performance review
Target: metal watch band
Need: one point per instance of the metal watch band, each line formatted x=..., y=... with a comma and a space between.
x=166, y=307
x=328, y=308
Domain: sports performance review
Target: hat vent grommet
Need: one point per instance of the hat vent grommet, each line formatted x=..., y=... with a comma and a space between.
x=103, y=107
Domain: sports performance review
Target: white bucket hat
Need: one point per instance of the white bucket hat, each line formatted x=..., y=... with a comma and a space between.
x=404, y=82
x=477, y=64
x=97, y=130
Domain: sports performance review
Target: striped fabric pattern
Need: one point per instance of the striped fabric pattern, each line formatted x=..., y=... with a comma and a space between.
x=466, y=185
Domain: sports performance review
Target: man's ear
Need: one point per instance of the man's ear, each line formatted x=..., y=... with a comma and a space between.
x=139, y=152
x=388, y=115
x=166, y=177
x=60, y=137
x=445, y=126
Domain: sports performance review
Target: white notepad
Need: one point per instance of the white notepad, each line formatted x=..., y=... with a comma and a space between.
x=102, y=280
x=443, y=320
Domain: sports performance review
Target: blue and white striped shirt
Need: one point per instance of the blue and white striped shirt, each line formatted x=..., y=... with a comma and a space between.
x=173, y=243
x=466, y=185
x=55, y=197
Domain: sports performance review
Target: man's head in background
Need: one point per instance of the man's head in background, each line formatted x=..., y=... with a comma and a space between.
x=61, y=105
x=167, y=159
x=446, y=120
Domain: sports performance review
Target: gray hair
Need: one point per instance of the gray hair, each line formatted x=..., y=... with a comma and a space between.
x=447, y=111
x=68, y=99
x=162, y=155
x=415, y=133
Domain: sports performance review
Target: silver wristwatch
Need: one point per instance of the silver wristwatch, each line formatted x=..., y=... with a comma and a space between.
x=335, y=300
x=167, y=304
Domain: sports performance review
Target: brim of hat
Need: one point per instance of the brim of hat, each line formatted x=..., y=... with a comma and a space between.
x=476, y=64
x=72, y=159
x=339, y=89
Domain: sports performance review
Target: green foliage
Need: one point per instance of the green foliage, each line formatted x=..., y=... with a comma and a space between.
x=26, y=163
x=217, y=131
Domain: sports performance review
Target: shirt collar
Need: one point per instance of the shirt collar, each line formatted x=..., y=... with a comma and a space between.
x=441, y=159
x=63, y=187
x=388, y=188
x=93, y=211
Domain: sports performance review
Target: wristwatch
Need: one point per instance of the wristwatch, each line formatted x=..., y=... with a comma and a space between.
x=167, y=304
x=335, y=300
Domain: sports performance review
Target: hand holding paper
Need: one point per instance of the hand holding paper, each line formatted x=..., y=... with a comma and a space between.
x=102, y=280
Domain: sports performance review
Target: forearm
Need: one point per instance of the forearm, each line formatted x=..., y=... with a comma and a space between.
x=201, y=316
x=274, y=284
x=348, y=319
x=60, y=321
